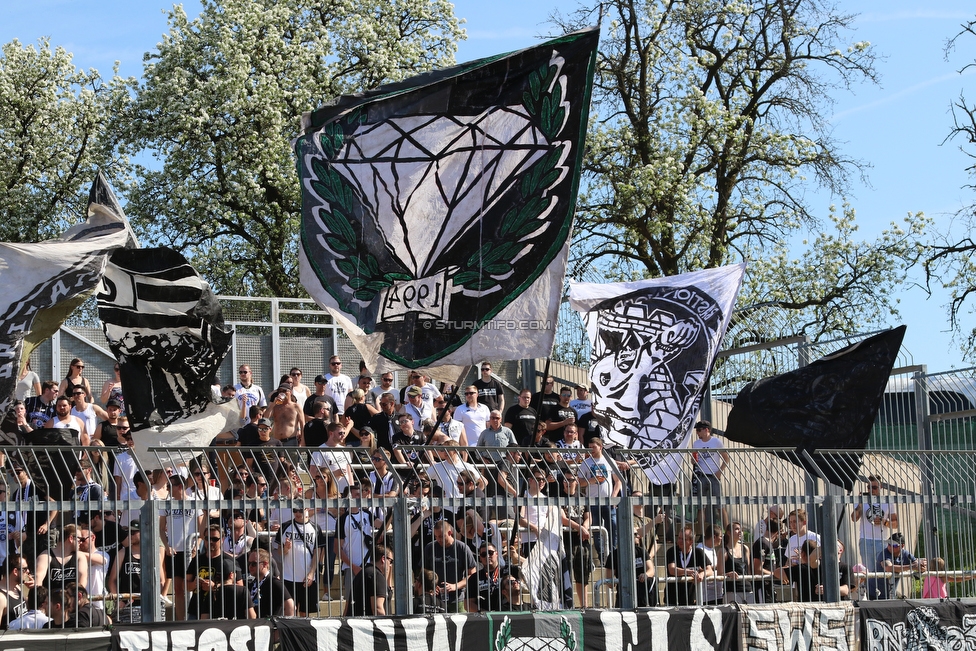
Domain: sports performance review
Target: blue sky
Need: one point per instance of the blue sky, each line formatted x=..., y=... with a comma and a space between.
x=898, y=127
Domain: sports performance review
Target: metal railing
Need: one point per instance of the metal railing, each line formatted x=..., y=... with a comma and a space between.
x=287, y=512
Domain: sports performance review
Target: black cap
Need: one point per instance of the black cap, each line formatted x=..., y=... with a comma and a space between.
x=113, y=403
x=320, y=379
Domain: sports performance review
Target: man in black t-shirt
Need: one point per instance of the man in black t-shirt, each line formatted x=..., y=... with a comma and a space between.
x=248, y=435
x=229, y=600
x=545, y=400
x=268, y=593
x=522, y=419
x=689, y=565
x=560, y=416
x=490, y=392
x=370, y=591
x=206, y=572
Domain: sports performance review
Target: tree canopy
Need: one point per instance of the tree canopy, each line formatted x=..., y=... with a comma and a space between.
x=55, y=132
x=220, y=101
x=950, y=257
x=711, y=125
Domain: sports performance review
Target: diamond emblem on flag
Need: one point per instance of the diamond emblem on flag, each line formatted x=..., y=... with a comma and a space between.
x=413, y=171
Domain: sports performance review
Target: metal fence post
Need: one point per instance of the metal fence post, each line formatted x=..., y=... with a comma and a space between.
x=625, y=549
x=402, y=585
x=925, y=443
x=828, y=551
x=152, y=606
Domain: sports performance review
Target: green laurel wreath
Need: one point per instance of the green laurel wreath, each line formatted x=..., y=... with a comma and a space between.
x=361, y=266
x=492, y=260
x=504, y=634
x=567, y=633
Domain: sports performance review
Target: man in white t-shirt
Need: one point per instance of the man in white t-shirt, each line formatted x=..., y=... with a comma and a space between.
x=799, y=535
x=472, y=414
x=710, y=459
x=337, y=384
x=874, y=517
x=331, y=457
x=601, y=483
x=582, y=404
x=247, y=393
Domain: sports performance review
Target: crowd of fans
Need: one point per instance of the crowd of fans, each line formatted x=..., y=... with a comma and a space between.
x=255, y=528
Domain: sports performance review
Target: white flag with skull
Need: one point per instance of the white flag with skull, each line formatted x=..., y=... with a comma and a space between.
x=653, y=346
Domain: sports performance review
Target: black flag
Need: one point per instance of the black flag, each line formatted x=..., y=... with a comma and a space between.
x=165, y=327
x=829, y=404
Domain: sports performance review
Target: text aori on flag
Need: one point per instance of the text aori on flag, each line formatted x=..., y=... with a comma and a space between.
x=434, y=206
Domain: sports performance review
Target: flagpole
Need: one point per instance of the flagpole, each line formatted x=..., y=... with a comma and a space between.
x=545, y=374
x=447, y=403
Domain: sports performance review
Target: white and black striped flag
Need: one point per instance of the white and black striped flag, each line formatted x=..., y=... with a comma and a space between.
x=42, y=283
x=165, y=327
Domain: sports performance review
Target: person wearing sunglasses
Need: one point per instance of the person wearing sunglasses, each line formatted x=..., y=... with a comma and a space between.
x=74, y=378
x=248, y=393
x=89, y=413
x=472, y=414
x=337, y=384
x=484, y=588
x=205, y=573
x=490, y=392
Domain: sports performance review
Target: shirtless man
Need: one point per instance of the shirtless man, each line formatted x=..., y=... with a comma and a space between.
x=289, y=420
x=64, y=420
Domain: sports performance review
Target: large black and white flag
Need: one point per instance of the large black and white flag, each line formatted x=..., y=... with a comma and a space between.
x=42, y=283
x=165, y=327
x=436, y=212
x=829, y=404
x=653, y=346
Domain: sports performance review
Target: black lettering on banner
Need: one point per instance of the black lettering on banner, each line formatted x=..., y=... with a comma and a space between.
x=180, y=636
x=799, y=627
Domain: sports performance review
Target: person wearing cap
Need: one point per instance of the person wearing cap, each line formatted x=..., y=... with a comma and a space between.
x=582, y=403
x=228, y=600
x=894, y=561
x=205, y=572
x=427, y=390
x=288, y=418
x=297, y=541
x=125, y=577
x=415, y=406
x=106, y=431
x=337, y=384
x=319, y=395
